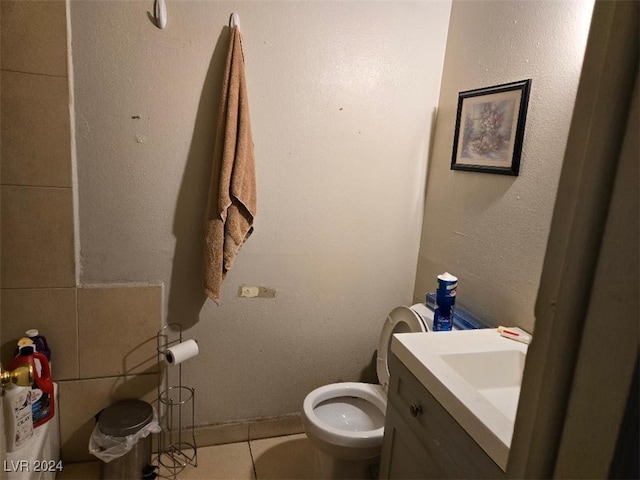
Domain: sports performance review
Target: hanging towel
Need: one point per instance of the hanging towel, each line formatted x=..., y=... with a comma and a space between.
x=232, y=192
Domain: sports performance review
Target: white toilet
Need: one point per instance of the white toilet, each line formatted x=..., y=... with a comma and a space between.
x=346, y=420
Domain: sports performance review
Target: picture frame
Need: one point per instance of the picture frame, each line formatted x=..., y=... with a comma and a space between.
x=490, y=126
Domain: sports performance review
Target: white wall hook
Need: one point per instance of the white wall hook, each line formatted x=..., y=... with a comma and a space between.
x=160, y=12
x=235, y=20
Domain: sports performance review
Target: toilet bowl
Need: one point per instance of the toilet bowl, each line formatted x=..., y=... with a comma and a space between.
x=346, y=420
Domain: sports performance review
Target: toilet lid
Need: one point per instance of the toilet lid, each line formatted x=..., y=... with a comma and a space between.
x=401, y=320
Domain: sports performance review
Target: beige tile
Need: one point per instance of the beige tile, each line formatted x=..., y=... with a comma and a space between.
x=53, y=312
x=81, y=400
x=231, y=461
x=222, y=433
x=34, y=36
x=275, y=427
x=36, y=143
x=80, y=471
x=37, y=237
x=290, y=456
x=295, y=457
x=117, y=329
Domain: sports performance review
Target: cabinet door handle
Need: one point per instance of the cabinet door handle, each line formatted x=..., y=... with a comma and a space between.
x=415, y=410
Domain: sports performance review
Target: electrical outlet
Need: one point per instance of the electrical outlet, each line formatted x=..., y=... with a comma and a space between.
x=249, y=292
x=245, y=291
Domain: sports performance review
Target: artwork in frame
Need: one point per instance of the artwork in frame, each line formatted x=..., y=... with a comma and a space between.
x=490, y=128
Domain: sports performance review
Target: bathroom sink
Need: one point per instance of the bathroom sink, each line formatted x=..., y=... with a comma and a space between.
x=497, y=375
x=476, y=375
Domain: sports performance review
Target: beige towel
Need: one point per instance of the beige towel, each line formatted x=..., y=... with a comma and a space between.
x=232, y=193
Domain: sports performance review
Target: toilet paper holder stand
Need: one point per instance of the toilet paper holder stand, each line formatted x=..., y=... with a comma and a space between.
x=177, y=442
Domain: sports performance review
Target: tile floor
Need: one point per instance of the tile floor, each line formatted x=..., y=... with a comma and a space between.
x=287, y=457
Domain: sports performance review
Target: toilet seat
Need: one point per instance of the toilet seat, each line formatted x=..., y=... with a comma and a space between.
x=401, y=320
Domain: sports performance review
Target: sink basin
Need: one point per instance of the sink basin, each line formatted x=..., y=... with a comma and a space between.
x=497, y=376
x=475, y=375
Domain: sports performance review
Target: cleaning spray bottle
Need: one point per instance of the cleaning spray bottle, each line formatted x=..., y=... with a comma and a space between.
x=42, y=395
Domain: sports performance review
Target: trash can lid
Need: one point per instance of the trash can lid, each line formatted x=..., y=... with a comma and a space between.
x=125, y=418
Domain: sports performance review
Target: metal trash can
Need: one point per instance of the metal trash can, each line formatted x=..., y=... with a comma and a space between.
x=121, y=420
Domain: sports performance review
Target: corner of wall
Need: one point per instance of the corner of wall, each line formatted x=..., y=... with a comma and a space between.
x=74, y=157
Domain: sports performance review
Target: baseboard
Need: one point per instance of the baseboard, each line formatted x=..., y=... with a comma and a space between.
x=248, y=430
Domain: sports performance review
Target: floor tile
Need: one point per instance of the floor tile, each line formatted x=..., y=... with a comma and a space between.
x=291, y=456
x=294, y=457
x=231, y=461
x=286, y=457
x=80, y=471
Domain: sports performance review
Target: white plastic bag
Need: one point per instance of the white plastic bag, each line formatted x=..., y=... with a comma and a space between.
x=108, y=448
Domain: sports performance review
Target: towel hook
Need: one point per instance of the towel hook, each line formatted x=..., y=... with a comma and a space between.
x=160, y=13
x=234, y=21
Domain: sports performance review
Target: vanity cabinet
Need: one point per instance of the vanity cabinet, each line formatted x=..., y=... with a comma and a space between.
x=422, y=440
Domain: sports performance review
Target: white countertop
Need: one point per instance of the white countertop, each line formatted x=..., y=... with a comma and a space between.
x=487, y=417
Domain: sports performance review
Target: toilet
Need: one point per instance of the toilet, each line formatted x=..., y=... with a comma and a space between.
x=346, y=420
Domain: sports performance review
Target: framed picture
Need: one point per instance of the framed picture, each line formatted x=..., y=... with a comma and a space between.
x=490, y=128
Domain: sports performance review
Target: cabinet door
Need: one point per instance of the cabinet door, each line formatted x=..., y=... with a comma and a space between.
x=403, y=456
x=450, y=451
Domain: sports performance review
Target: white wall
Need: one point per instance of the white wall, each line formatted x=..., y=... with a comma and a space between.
x=491, y=230
x=342, y=96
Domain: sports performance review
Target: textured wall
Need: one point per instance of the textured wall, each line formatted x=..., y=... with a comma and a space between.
x=491, y=230
x=342, y=96
x=38, y=262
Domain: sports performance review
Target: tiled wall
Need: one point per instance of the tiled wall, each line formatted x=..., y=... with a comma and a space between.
x=103, y=336
x=103, y=342
x=37, y=208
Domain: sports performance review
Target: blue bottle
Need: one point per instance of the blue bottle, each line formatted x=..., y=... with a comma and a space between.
x=442, y=322
x=445, y=302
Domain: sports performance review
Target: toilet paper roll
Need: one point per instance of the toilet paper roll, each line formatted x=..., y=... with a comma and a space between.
x=181, y=352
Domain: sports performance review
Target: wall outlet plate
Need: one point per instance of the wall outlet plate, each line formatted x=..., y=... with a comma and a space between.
x=249, y=292
x=245, y=291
